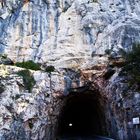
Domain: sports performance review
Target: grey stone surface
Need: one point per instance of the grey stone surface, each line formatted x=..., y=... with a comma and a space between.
x=68, y=34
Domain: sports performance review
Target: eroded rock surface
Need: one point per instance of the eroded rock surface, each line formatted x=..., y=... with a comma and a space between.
x=66, y=33
x=74, y=36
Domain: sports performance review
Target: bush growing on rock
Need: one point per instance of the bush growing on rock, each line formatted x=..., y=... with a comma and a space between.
x=4, y=56
x=28, y=65
x=5, y=60
x=28, y=79
x=49, y=69
x=132, y=63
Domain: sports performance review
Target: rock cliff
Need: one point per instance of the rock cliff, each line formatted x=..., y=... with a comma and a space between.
x=75, y=37
x=67, y=32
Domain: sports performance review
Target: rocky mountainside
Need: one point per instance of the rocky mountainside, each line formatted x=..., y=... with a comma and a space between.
x=67, y=32
x=77, y=37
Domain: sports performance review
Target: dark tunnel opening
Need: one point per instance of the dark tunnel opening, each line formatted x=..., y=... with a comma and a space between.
x=81, y=115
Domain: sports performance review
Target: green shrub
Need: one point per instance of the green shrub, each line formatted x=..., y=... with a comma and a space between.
x=4, y=56
x=132, y=63
x=49, y=69
x=28, y=79
x=5, y=60
x=28, y=65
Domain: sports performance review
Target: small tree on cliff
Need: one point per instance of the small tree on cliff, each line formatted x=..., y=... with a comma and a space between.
x=132, y=63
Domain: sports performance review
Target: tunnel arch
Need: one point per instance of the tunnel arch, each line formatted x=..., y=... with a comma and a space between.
x=82, y=114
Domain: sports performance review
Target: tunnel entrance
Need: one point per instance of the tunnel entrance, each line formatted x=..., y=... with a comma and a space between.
x=81, y=115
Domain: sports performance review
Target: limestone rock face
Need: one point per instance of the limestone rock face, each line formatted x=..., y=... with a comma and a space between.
x=21, y=111
x=73, y=36
x=65, y=33
x=35, y=115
